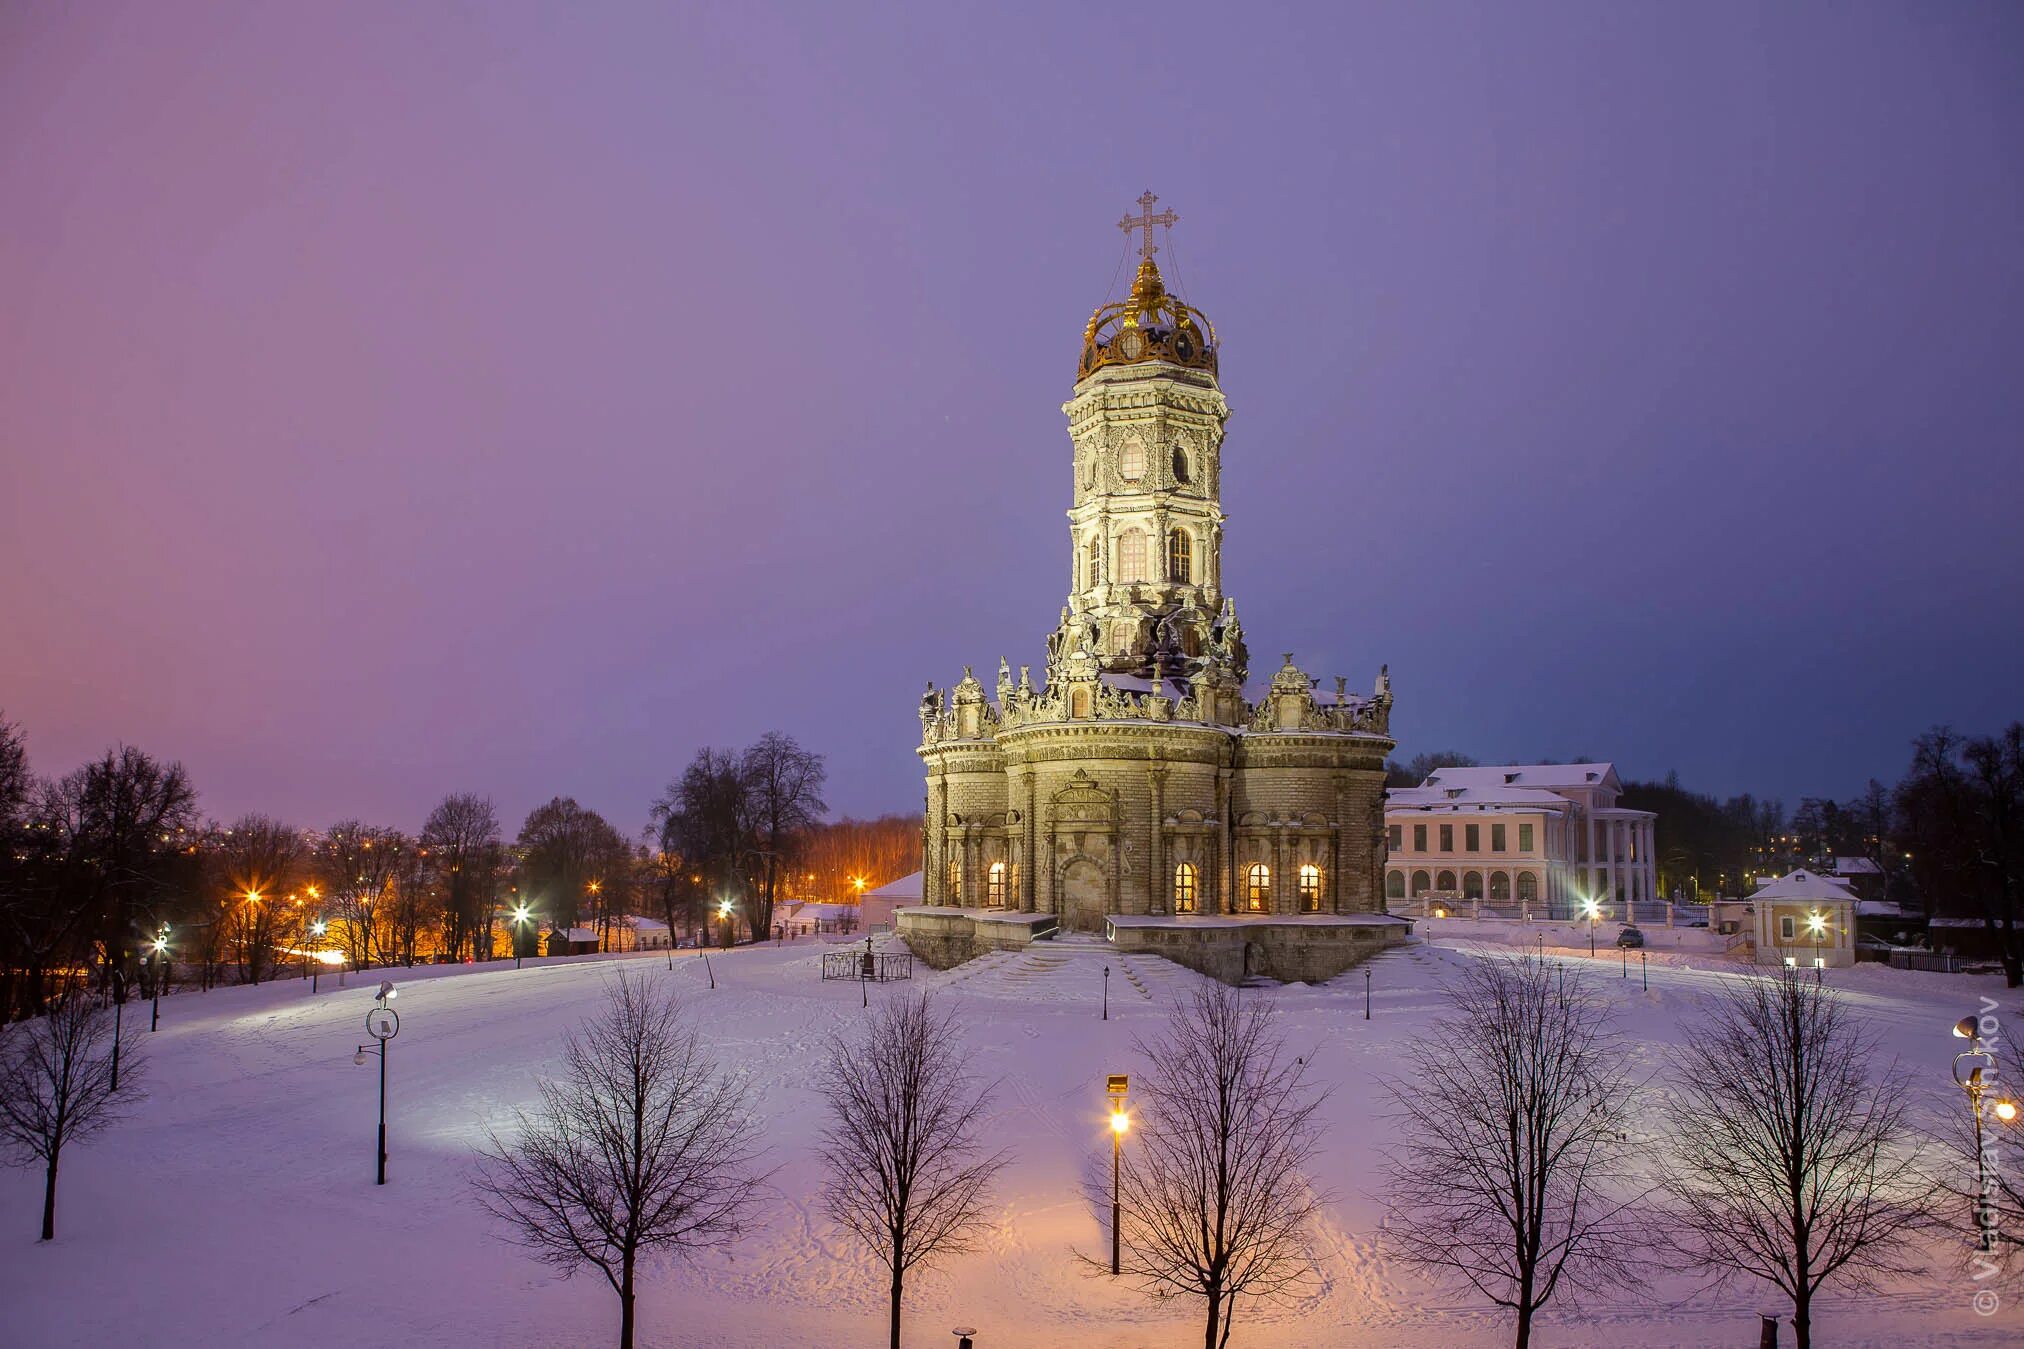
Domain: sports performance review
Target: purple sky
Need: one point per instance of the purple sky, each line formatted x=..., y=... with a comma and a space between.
x=404, y=399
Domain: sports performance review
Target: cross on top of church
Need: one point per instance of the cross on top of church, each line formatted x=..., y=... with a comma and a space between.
x=1145, y=220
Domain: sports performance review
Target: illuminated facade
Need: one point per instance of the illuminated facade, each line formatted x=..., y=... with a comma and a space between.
x=1135, y=781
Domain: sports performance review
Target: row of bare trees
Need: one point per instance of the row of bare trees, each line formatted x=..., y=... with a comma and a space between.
x=738, y=823
x=1784, y=1154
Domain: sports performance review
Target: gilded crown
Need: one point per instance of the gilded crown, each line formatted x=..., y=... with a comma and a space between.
x=1151, y=324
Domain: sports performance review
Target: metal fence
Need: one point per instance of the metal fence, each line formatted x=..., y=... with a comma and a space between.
x=878, y=967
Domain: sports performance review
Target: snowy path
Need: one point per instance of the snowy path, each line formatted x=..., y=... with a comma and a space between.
x=237, y=1208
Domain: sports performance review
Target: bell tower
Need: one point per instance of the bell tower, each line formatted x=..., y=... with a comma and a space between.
x=1145, y=594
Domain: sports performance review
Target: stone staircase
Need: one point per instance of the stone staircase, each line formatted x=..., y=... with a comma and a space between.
x=1068, y=967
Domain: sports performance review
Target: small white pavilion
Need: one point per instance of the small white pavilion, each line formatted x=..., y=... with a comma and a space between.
x=1803, y=920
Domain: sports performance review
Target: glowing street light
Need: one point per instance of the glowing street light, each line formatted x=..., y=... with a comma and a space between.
x=1594, y=912
x=1816, y=922
x=1120, y=1121
x=159, y=951
x=1969, y=1028
x=724, y=912
x=519, y=940
x=317, y=929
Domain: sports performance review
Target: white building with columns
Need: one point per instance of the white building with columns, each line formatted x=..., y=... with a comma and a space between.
x=1544, y=837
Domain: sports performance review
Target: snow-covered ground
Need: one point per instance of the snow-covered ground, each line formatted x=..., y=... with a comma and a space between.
x=237, y=1207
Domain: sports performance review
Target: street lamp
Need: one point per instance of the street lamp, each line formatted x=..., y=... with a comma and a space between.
x=1968, y=1028
x=317, y=929
x=383, y=1023
x=1120, y=1121
x=724, y=912
x=519, y=939
x=159, y=950
x=1594, y=913
x=1106, y=992
x=1817, y=922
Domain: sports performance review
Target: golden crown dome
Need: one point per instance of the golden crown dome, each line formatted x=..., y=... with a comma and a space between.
x=1150, y=324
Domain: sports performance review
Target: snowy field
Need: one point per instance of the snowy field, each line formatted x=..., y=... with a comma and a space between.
x=237, y=1207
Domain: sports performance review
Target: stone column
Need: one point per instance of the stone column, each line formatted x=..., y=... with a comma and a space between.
x=1226, y=861
x=1159, y=885
x=1276, y=901
x=1029, y=872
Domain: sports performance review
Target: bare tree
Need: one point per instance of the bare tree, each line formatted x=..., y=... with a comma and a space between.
x=1507, y=1175
x=1791, y=1163
x=909, y=1176
x=1215, y=1197
x=564, y=850
x=256, y=860
x=641, y=1144
x=359, y=864
x=461, y=842
x=56, y=1086
x=783, y=792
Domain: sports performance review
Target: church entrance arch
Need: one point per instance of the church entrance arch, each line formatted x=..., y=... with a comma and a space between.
x=1082, y=893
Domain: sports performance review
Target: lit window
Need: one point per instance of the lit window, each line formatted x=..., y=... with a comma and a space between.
x=956, y=880
x=1786, y=929
x=1092, y=567
x=1184, y=888
x=996, y=885
x=1310, y=887
x=1258, y=887
x=1180, y=557
x=1131, y=555
x=1131, y=459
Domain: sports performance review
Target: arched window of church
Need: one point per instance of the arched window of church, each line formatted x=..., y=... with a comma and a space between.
x=996, y=894
x=1131, y=459
x=1180, y=464
x=1092, y=575
x=1185, y=878
x=1310, y=888
x=1131, y=556
x=955, y=880
x=1180, y=562
x=1258, y=887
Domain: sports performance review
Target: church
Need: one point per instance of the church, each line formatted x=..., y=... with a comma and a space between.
x=1133, y=792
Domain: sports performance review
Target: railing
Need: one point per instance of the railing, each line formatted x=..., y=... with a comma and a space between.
x=1046, y=927
x=877, y=967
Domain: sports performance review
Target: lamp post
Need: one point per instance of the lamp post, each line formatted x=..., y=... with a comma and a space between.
x=383, y=1023
x=1816, y=921
x=1106, y=992
x=1366, y=993
x=160, y=949
x=724, y=912
x=1968, y=1028
x=118, y=1007
x=317, y=929
x=1594, y=913
x=1119, y=1122
x=1644, y=971
x=519, y=938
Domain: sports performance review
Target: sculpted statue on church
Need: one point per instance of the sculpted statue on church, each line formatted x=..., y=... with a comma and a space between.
x=930, y=708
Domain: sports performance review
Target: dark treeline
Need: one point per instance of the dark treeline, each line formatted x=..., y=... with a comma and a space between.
x=112, y=878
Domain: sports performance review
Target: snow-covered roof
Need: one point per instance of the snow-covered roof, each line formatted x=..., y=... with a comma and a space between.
x=1856, y=866
x=580, y=934
x=1879, y=908
x=1805, y=885
x=1472, y=798
x=1551, y=776
x=905, y=890
x=640, y=924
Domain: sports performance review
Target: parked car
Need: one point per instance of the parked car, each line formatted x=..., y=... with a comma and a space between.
x=1630, y=939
